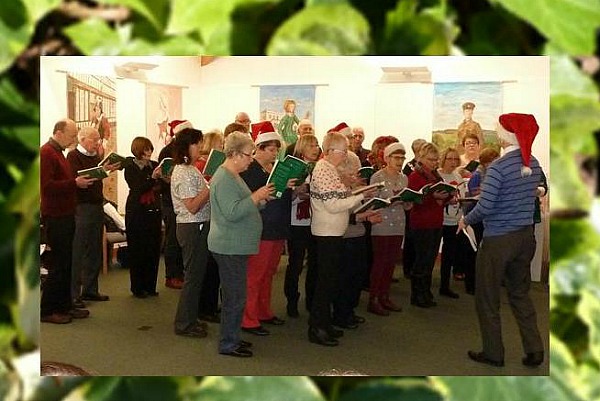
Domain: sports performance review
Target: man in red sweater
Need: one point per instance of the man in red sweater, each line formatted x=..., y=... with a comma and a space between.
x=57, y=186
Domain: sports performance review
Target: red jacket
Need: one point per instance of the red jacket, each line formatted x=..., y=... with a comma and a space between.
x=57, y=182
x=428, y=214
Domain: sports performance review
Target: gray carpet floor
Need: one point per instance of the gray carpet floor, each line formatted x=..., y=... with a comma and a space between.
x=129, y=336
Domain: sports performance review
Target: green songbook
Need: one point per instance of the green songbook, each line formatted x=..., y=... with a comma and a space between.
x=286, y=169
x=112, y=158
x=215, y=159
x=408, y=195
x=366, y=173
x=94, y=172
x=166, y=166
x=441, y=186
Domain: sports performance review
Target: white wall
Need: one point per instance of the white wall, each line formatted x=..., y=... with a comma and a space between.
x=348, y=90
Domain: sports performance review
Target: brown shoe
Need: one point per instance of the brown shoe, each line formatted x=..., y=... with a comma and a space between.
x=387, y=303
x=56, y=318
x=79, y=313
x=376, y=308
x=175, y=283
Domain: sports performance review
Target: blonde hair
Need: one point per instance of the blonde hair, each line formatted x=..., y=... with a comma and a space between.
x=428, y=148
x=333, y=139
x=303, y=143
x=209, y=140
x=444, y=155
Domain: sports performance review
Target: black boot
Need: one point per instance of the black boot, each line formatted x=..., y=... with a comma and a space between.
x=292, y=306
x=320, y=336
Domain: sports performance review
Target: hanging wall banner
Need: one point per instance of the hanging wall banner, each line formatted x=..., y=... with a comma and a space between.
x=466, y=107
x=285, y=105
x=91, y=100
x=163, y=104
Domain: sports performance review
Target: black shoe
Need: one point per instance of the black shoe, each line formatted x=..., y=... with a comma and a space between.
x=423, y=304
x=275, y=321
x=196, y=331
x=334, y=333
x=446, y=292
x=320, y=336
x=345, y=325
x=245, y=344
x=142, y=294
x=257, y=331
x=533, y=359
x=358, y=319
x=239, y=352
x=78, y=303
x=211, y=318
x=153, y=293
x=481, y=358
x=95, y=297
x=292, y=310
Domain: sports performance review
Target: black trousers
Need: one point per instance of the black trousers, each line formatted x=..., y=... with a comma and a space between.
x=172, y=249
x=449, y=250
x=427, y=244
x=56, y=296
x=209, y=296
x=301, y=244
x=143, y=242
x=329, y=256
x=351, y=277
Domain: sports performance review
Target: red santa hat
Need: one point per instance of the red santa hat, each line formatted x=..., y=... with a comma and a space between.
x=176, y=126
x=525, y=128
x=342, y=128
x=264, y=132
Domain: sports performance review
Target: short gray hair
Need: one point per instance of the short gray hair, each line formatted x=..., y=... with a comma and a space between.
x=504, y=135
x=236, y=142
x=86, y=131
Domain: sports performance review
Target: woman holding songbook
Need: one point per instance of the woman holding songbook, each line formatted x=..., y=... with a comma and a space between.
x=426, y=220
x=301, y=241
x=449, y=162
x=387, y=236
x=211, y=140
x=143, y=218
x=275, y=217
x=190, y=195
x=235, y=234
x=331, y=203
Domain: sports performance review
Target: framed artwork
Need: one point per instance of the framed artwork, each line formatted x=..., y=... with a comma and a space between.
x=466, y=107
x=285, y=105
x=91, y=100
x=163, y=104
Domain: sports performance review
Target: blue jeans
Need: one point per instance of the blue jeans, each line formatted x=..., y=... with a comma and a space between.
x=232, y=270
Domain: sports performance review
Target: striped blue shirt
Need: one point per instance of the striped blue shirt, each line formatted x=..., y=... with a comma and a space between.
x=507, y=200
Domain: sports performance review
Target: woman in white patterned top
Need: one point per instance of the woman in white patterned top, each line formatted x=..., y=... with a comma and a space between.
x=190, y=194
x=331, y=204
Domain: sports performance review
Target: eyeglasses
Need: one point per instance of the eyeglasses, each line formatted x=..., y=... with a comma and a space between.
x=453, y=158
x=432, y=159
x=398, y=157
x=471, y=143
x=345, y=151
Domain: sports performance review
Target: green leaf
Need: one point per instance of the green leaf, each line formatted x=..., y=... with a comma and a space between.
x=94, y=37
x=569, y=24
x=12, y=42
x=510, y=388
x=153, y=10
x=567, y=77
x=393, y=390
x=204, y=16
x=325, y=29
x=564, y=374
x=589, y=310
x=36, y=9
x=134, y=388
x=255, y=388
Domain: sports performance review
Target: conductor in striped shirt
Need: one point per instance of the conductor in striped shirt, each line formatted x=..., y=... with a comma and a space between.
x=506, y=207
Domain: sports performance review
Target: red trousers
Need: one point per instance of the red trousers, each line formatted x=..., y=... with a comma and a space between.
x=386, y=251
x=261, y=269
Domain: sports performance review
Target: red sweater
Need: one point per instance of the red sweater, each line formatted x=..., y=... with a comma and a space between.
x=57, y=182
x=429, y=214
